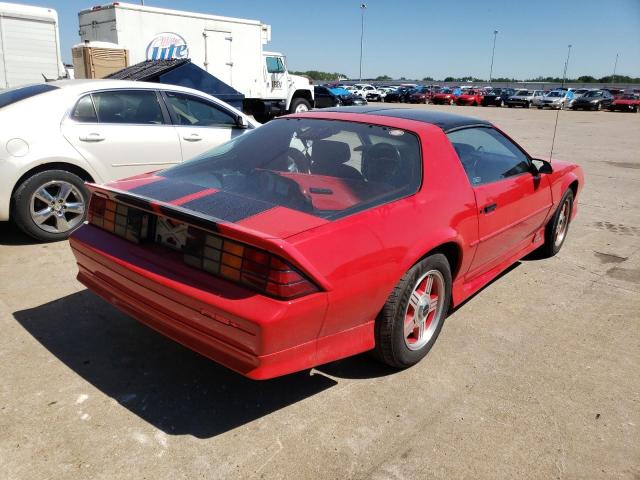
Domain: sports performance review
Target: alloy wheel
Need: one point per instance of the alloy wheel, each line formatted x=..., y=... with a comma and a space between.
x=425, y=310
x=563, y=223
x=57, y=207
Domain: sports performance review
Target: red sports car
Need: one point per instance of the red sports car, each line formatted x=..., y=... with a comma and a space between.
x=628, y=102
x=445, y=96
x=470, y=97
x=322, y=235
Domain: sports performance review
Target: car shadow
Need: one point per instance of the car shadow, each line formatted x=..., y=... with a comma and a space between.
x=174, y=389
x=10, y=234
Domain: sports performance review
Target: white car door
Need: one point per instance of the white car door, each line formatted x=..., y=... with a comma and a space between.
x=201, y=124
x=122, y=133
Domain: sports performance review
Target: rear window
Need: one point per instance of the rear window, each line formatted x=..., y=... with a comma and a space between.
x=326, y=168
x=13, y=95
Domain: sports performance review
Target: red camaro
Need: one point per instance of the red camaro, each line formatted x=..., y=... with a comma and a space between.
x=445, y=96
x=322, y=235
x=470, y=97
x=628, y=102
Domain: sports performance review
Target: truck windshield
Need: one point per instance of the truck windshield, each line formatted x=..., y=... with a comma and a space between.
x=324, y=168
x=13, y=95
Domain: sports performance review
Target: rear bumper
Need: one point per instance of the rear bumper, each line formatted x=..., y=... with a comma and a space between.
x=256, y=336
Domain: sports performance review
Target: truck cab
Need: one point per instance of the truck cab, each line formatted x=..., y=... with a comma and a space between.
x=283, y=92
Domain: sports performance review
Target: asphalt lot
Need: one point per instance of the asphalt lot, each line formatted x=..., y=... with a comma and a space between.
x=537, y=376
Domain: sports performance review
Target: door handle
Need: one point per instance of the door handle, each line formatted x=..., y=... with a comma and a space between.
x=194, y=137
x=490, y=207
x=91, y=137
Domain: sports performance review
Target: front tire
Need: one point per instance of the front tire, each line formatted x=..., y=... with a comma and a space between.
x=50, y=205
x=299, y=105
x=556, y=231
x=412, y=318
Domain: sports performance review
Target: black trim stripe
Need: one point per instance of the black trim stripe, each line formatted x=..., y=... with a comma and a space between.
x=228, y=206
x=167, y=190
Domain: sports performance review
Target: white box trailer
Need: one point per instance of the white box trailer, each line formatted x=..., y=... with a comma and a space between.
x=230, y=49
x=29, y=45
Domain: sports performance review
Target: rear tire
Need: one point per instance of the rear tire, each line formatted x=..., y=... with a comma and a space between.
x=41, y=196
x=412, y=318
x=556, y=231
x=262, y=117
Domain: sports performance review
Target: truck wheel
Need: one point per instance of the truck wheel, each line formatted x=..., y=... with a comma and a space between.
x=299, y=105
x=50, y=205
x=411, y=320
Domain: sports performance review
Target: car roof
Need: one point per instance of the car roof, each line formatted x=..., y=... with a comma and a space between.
x=81, y=85
x=446, y=121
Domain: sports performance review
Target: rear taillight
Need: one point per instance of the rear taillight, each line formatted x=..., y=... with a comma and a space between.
x=219, y=256
x=240, y=263
x=117, y=218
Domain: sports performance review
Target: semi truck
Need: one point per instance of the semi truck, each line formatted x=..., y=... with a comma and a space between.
x=29, y=45
x=230, y=49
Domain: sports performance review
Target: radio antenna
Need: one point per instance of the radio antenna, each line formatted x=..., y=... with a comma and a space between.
x=564, y=78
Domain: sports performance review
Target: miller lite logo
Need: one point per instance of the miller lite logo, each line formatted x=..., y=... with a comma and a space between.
x=167, y=46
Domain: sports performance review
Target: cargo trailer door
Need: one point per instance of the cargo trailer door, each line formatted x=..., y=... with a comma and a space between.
x=29, y=51
x=217, y=55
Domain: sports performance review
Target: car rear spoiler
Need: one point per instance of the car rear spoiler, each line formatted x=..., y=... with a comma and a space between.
x=255, y=238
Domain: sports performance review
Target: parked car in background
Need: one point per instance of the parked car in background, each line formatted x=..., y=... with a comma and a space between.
x=366, y=91
x=497, y=96
x=255, y=264
x=399, y=95
x=523, y=98
x=444, y=96
x=420, y=95
x=335, y=97
x=555, y=99
x=627, y=102
x=577, y=93
x=60, y=134
x=593, y=100
x=383, y=91
x=471, y=96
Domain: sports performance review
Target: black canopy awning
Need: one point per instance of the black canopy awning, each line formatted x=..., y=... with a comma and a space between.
x=180, y=72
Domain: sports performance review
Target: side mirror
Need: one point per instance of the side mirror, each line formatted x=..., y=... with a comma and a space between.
x=241, y=122
x=542, y=166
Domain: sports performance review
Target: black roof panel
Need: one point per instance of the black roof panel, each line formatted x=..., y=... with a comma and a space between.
x=148, y=70
x=446, y=121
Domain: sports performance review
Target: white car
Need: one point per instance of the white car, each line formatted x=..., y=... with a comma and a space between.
x=366, y=91
x=55, y=136
x=555, y=99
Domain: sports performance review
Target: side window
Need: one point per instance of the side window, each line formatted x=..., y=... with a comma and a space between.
x=486, y=155
x=136, y=107
x=84, y=111
x=192, y=111
x=274, y=65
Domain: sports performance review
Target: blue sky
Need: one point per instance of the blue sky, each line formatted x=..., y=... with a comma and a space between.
x=418, y=38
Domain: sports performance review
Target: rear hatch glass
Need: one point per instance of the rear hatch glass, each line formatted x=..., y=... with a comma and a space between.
x=325, y=168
